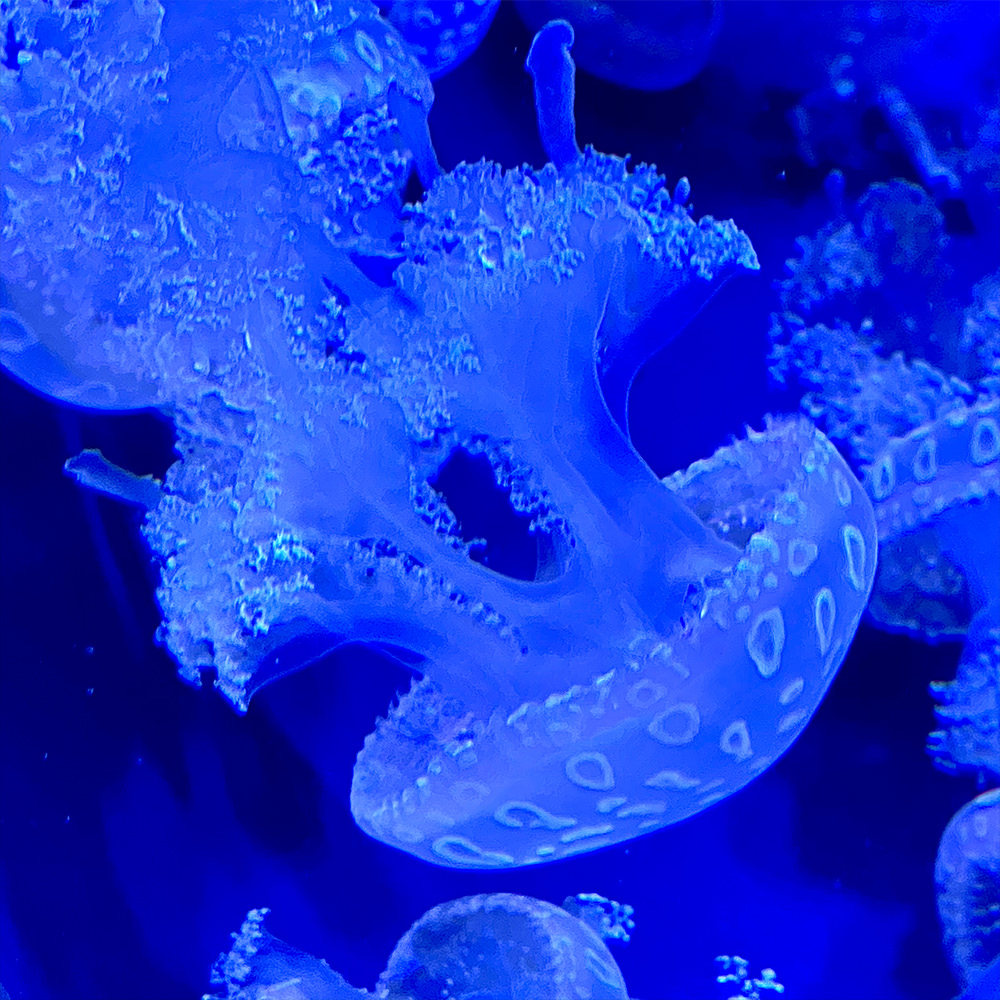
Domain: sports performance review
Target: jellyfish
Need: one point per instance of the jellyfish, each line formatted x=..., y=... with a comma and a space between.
x=895, y=353
x=500, y=946
x=662, y=643
x=259, y=966
x=967, y=872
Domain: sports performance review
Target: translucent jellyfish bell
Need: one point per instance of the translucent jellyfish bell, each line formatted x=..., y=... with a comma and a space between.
x=501, y=947
x=967, y=872
x=892, y=339
x=489, y=947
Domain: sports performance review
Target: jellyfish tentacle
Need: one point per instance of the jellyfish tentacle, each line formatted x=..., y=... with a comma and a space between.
x=554, y=73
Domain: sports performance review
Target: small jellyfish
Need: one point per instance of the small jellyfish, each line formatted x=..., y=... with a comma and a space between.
x=489, y=947
x=967, y=872
x=500, y=946
x=261, y=967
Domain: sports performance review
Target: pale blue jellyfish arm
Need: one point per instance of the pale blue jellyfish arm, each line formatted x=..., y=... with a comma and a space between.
x=642, y=316
x=554, y=74
x=90, y=468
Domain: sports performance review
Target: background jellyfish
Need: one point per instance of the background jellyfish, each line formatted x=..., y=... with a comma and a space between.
x=307, y=114
x=158, y=814
x=967, y=708
x=499, y=945
x=888, y=330
x=967, y=872
x=853, y=325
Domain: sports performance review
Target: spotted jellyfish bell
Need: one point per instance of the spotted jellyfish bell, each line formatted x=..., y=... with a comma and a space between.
x=504, y=947
x=676, y=636
x=936, y=492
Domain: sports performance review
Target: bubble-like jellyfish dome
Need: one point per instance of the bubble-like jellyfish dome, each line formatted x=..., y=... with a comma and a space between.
x=441, y=33
x=499, y=946
x=967, y=872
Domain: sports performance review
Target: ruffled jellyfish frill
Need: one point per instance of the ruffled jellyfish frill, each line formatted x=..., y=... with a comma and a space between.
x=968, y=709
x=499, y=946
x=259, y=966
